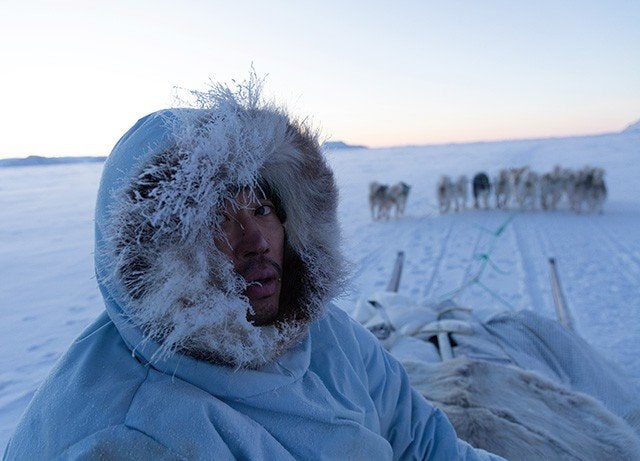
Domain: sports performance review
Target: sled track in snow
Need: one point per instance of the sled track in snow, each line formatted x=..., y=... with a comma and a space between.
x=610, y=253
x=468, y=278
x=527, y=261
x=474, y=252
x=622, y=249
x=437, y=263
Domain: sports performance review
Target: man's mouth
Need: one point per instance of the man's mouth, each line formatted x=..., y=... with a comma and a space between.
x=262, y=288
x=263, y=280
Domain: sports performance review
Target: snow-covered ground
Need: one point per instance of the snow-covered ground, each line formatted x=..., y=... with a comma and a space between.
x=48, y=292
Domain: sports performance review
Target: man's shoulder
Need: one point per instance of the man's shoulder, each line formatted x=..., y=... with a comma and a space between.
x=337, y=326
x=338, y=320
x=334, y=314
x=89, y=389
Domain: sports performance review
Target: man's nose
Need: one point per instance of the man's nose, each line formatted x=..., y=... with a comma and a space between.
x=252, y=240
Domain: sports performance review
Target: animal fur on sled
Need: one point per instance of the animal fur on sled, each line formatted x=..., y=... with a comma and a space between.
x=520, y=415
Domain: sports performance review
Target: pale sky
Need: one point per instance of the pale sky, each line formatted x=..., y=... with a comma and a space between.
x=75, y=75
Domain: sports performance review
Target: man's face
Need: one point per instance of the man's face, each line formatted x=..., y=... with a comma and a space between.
x=255, y=243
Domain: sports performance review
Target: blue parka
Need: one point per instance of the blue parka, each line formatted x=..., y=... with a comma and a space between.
x=173, y=369
x=337, y=395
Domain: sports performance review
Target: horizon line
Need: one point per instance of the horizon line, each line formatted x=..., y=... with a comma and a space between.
x=365, y=146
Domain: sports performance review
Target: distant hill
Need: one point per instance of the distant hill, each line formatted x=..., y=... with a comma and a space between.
x=38, y=160
x=340, y=145
x=633, y=128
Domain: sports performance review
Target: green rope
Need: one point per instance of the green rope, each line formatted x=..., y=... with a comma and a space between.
x=495, y=295
x=485, y=260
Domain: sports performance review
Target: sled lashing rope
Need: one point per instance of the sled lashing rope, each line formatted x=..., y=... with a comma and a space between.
x=485, y=261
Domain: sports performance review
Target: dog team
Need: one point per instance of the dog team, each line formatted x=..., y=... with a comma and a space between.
x=512, y=188
x=522, y=188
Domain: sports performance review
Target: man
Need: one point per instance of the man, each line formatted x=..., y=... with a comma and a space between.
x=217, y=252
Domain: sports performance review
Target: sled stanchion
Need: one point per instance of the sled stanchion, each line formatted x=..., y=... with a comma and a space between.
x=394, y=283
x=384, y=331
x=562, y=312
x=444, y=346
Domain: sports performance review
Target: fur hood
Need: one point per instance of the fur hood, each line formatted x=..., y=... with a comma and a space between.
x=166, y=286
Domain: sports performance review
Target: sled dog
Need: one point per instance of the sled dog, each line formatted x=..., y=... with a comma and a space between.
x=383, y=198
x=526, y=189
x=378, y=200
x=481, y=190
x=589, y=189
x=446, y=193
x=461, y=192
x=397, y=196
x=502, y=189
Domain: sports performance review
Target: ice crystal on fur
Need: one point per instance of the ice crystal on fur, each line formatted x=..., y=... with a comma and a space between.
x=179, y=289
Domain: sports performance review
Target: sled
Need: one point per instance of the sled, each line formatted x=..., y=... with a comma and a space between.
x=516, y=384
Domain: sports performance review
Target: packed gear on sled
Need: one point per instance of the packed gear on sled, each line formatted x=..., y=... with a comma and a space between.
x=517, y=383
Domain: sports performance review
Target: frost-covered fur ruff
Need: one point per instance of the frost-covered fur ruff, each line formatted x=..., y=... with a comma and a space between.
x=520, y=415
x=174, y=284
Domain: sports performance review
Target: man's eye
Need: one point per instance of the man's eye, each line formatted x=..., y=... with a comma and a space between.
x=264, y=210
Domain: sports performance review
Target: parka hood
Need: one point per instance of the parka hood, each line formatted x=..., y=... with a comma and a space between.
x=166, y=286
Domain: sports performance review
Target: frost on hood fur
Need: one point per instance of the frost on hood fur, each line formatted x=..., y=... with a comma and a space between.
x=157, y=218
